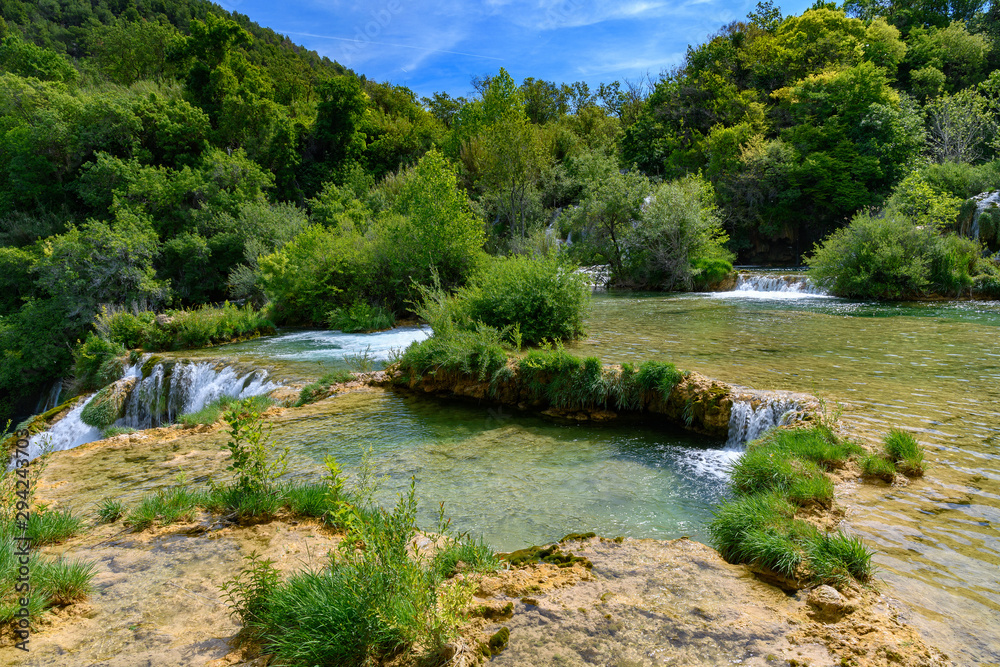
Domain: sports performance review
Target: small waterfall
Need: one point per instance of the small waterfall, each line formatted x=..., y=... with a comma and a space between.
x=50, y=400
x=747, y=423
x=68, y=432
x=984, y=201
x=792, y=284
x=171, y=390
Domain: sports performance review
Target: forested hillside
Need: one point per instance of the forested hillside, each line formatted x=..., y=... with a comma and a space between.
x=166, y=153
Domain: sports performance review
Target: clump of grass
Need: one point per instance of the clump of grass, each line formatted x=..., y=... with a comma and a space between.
x=367, y=603
x=166, y=506
x=214, y=411
x=875, y=465
x=321, y=388
x=110, y=510
x=113, y=431
x=900, y=453
x=51, y=526
x=360, y=317
x=63, y=580
x=309, y=499
x=903, y=449
x=480, y=353
x=835, y=558
x=775, y=476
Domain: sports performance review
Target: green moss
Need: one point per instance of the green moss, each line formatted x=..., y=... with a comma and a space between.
x=551, y=554
x=105, y=408
x=498, y=642
x=149, y=365
x=575, y=537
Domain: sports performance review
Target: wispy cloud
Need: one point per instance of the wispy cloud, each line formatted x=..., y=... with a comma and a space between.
x=433, y=46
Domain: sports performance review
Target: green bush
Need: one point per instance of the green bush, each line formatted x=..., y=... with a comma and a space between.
x=676, y=230
x=180, y=329
x=97, y=362
x=891, y=257
x=360, y=317
x=708, y=271
x=543, y=296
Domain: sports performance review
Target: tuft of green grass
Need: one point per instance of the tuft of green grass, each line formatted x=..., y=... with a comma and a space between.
x=166, y=506
x=321, y=388
x=214, y=411
x=309, y=499
x=905, y=451
x=51, y=527
x=110, y=510
x=475, y=554
x=875, y=465
x=817, y=444
x=63, y=580
x=835, y=558
x=775, y=476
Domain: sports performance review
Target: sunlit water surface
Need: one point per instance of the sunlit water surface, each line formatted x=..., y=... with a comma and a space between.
x=931, y=368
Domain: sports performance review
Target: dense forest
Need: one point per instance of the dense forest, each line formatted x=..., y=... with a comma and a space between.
x=164, y=154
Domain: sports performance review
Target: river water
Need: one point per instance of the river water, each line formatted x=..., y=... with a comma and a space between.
x=931, y=368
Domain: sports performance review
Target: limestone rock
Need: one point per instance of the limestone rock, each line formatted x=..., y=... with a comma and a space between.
x=829, y=603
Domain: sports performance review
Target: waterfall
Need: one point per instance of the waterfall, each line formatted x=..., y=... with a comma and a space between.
x=171, y=390
x=68, y=432
x=747, y=423
x=50, y=400
x=792, y=284
x=984, y=201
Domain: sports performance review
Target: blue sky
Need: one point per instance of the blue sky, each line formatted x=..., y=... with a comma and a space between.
x=438, y=46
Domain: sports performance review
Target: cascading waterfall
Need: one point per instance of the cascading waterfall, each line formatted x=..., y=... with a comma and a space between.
x=68, y=432
x=747, y=423
x=750, y=282
x=169, y=391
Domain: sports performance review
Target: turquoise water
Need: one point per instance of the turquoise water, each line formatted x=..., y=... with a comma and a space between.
x=517, y=479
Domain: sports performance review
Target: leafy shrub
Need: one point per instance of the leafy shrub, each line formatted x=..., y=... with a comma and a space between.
x=543, y=296
x=890, y=257
x=180, y=329
x=256, y=462
x=678, y=227
x=97, y=362
x=360, y=317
